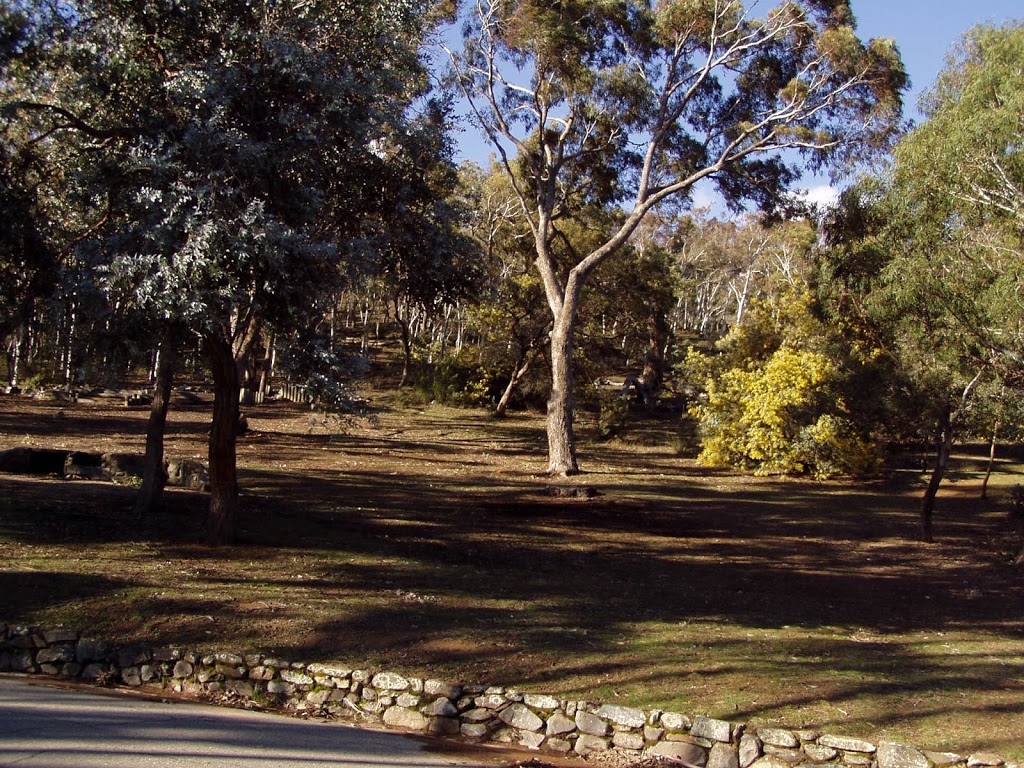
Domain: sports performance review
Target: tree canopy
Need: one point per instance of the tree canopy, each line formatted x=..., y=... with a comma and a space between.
x=628, y=104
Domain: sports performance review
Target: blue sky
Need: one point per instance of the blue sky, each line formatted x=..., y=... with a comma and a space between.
x=924, y=30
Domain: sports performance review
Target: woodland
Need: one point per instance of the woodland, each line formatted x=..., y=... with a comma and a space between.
x=217, y=202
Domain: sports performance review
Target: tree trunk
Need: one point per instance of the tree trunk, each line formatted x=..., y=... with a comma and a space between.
x=993, y=444
x=154, y=475
x=223, y=442
x=561, y=439
x=945, y=446
x=947, y=427
x=522, y=368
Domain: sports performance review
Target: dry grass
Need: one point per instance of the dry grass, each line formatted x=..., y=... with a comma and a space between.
x=425, y=542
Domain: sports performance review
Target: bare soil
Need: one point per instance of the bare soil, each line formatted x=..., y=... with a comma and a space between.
x=426, y=540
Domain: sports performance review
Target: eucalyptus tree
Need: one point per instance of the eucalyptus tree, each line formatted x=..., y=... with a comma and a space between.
x=631, y=104
x=956, y=233
x=228, y=155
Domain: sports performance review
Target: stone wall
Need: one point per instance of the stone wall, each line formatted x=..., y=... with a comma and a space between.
x=474, y=712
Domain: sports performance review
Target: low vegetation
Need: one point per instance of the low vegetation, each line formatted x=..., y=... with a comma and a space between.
x=422, y=541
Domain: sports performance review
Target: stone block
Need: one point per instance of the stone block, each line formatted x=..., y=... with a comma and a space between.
x=847, y=745
x=893, y=755
x=628, y=740
x=531, y=739
x=590, y=724
x=586, y=744
x=558, y=724
x=679, y=750
x=441, y=688
x=387, y=681
x=673, y=721
x=474, y=730
x=625, y=716
x=441, y=707
x=710, y=728
x=443, y=726
x=723, y=756
x=522, y=717
x=547, y=703
x=778, y=737
x=750, y=750
x=819, y=753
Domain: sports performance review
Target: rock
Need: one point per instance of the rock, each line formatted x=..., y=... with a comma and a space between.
x=778, y=737
x=893, y=755
x=587, y=743
x=820, y=754
x=709, y=728
x=628, y=740
x=531, y=739
x=491, y=701
x=440, y=688
x=88, y=650
x=549, y=703
x=591, y=725
x=627, y=716
x=478, y=715
x=328, y=670
x=770, y=761
x=558, y=724
x=723, y=756
x=943, y=759
x=441, y=707
x=673, y=721
x=296, y=678
x=984, y=759
x=387, y=681
x=80, y=465
x=792, y=756
x=750, y=750
x=57, y=636
x=522, y=717
x=560, y=746
x=408, y=700
x=679, y=750
x=123, y=466
x=55, y=655
x=473, y=730
x=400, y=717
x=443, y=726
x=653, y=734
x=847, y=745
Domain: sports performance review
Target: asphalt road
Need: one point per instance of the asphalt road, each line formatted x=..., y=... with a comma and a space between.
x=42, y=726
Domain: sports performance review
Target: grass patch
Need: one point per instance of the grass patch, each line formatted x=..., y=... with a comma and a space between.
x=426, y=543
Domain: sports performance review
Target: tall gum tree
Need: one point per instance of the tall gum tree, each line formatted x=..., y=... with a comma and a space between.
x=631, y=104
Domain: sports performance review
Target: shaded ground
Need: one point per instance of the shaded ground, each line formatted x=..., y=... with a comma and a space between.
x=424, y=542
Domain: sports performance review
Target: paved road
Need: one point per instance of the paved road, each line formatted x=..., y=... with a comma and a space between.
x=42, y=726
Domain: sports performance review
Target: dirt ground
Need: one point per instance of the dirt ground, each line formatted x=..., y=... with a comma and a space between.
x=425, y=539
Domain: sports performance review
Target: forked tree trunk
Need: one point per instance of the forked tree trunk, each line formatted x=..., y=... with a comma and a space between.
x=154, y=475
x=223, y=443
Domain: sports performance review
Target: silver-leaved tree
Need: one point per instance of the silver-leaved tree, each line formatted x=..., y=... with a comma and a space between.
x=227, y=162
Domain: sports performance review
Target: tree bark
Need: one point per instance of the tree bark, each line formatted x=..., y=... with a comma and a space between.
x=561, y=437
x=993, y=445
x=224, y=504
x=522, y=368
x=947, y=428
x=154, y=475
x=945, y=446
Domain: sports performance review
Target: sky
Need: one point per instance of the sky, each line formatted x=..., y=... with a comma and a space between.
x=924, y=30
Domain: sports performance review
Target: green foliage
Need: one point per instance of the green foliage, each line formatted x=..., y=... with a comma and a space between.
x=459, y=380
